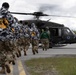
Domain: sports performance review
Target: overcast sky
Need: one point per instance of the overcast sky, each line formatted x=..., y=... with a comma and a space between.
x=51, y=7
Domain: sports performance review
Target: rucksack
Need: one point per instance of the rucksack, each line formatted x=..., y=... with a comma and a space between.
x=3, y=23
x=33, y=33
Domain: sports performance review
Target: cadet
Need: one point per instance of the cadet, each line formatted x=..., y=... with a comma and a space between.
x=21, y=35
x=16, y=29
x=45, y=39
x=34, y=38
x=5, y=15
x=3, y=10
x=26, y=30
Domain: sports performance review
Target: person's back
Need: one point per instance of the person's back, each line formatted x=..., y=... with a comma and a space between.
x=34, y=38
x=3, y=23
x=44, y=35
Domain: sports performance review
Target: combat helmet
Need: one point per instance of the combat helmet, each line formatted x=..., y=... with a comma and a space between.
x=5, y=5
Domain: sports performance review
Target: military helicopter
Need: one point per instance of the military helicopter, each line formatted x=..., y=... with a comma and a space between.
x=59, y=34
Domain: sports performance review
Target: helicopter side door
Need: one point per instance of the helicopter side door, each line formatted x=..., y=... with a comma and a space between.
x=55, y=35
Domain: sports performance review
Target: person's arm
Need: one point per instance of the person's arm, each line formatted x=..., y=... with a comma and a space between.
x=41, y=35
x=48, y=36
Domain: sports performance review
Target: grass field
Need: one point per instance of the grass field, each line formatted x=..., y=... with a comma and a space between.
x=52, y=66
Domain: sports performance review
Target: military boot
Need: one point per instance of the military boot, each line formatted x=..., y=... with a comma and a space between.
x=19, y=53
x=36, y=51
x=14, y=57
x=13, y=62
x=25, y=53
x=7, y=68
x=43, y=49
x=33, y=52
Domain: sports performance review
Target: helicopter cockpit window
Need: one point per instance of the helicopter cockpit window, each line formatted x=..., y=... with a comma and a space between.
x=73, y=32
x=67, y=31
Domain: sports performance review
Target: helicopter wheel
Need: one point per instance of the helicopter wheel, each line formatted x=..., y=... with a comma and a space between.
x=51, y=45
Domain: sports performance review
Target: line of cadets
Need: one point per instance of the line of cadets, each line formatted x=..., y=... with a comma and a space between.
x=15, y=36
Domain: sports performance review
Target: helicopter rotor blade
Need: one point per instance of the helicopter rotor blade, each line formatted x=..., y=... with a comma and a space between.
x=21, y=13
x=38, y=14
x=35, y=13
x=62, y=16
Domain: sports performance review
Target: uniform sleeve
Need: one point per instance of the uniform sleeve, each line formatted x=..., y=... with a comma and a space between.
x=38, y=34
x=48, y=36
x=41, y=35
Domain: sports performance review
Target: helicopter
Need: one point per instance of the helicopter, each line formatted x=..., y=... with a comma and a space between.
x=59, y=34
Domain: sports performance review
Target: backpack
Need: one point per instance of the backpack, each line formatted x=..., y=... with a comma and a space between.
x=3, y=23
x=33, y=33
x=44, y=35
x=13, y=30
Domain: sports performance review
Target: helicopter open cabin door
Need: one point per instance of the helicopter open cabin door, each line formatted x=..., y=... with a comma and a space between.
x=55, y=34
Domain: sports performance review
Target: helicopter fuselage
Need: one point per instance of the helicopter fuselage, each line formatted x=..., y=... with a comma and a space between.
x=59, y=34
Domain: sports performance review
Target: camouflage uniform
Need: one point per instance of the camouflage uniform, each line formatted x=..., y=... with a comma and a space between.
x=34, y=38
x=4, y=39
x=16, y=32
x=3, y=54
x=26, y=31
x=21, y=36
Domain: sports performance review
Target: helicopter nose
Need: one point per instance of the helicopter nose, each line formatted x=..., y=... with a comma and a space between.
x=75, y=36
